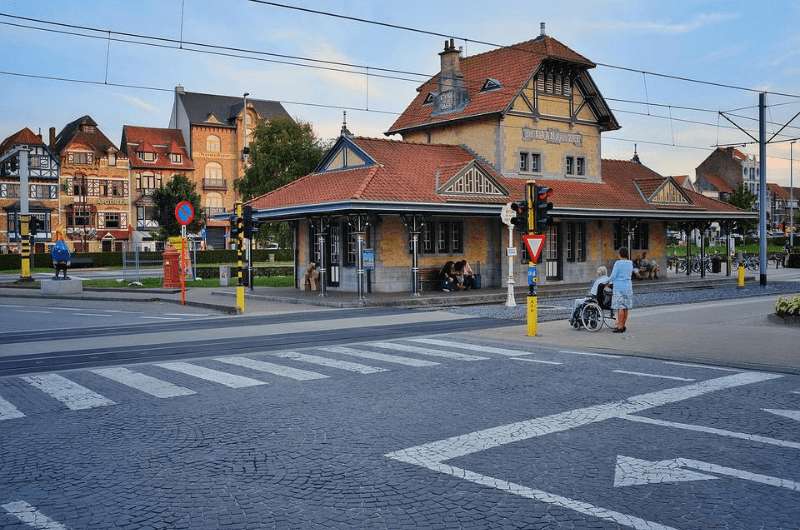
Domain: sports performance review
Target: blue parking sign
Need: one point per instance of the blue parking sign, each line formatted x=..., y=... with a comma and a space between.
x=368, y=257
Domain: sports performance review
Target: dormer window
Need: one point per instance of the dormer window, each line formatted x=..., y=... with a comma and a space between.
x=428, y=99
x=80, y=158
x=147, y=156
x=490, y=84
x=175, y=158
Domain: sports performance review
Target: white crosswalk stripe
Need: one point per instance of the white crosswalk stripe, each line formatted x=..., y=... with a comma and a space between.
x=70, y=393
x=32, y=517
x=397, y=359
x=473, y=347
x=271, y=368
x=9, y=411
x=331, y=363
x=428, y=351
x=209, y=374
x=145, y=383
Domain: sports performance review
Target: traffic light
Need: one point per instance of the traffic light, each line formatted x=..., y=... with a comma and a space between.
x=247, y=215
x=33, y=226
x=543, y=206
x=520, y=221
x=234, y=226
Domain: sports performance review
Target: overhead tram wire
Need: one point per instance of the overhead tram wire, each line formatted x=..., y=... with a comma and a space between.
x=512, y=47
x=331, y=106
x=208, y=47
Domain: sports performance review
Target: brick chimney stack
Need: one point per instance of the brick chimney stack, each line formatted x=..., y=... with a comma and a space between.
x=52, y=139
x=452, y=92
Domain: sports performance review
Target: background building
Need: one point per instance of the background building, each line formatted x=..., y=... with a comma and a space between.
x=724, y=170
x=95, y=198
x=156, y=155
x=43, y=190
x=214, y=127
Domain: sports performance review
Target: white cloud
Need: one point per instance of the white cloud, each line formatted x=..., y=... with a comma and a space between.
x=666, y=27
x=139, y=103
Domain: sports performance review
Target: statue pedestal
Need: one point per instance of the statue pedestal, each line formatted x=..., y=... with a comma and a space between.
x=61, y=287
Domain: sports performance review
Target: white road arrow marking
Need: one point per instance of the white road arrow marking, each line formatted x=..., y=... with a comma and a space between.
x=786, y=413
x=633, y=471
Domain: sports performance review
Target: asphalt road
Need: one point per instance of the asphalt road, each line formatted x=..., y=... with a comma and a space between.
x=383, y=419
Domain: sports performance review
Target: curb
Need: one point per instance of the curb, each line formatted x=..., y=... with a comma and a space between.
x=203, y=305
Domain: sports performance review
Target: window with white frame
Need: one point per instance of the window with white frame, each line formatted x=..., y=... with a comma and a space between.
x=175, y=158
x=570, y=165
x=580, y=165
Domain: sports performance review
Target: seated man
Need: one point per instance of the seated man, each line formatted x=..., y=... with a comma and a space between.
x=648, y=266
x=311, y=277
x=596, y=291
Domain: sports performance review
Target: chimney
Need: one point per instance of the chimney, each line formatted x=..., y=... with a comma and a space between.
x=452, y=92
x=52, y=141
x=541, y=29
x=635, y=155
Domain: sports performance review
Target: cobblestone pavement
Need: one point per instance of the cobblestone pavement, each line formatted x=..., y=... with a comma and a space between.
x=560, y=308
x=435, y=432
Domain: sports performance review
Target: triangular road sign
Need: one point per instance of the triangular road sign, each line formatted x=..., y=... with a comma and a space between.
x=534, y=243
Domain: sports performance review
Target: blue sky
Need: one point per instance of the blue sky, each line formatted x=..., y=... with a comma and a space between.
x=740, y=42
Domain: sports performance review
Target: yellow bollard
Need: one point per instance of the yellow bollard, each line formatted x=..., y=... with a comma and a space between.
x=740, y=276
x=533, y=315
x=240, y=299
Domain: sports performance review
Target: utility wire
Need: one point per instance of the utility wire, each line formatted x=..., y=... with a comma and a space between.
x=514, y=47
x=207, y=47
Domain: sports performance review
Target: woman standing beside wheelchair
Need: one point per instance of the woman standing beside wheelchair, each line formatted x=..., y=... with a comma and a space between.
x=622, y=299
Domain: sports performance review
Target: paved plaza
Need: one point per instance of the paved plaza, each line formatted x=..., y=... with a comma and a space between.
x=388, y=427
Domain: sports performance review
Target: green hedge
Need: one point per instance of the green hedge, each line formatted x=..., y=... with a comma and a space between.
x=114, y=259
x=213, y=272
x=793, y=261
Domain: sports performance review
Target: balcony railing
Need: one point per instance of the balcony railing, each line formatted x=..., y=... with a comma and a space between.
x=211, y=211
x=214, y=184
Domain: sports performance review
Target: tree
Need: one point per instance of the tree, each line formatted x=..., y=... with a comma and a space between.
x=744, y=200
x=282, y=150
x=167, y=197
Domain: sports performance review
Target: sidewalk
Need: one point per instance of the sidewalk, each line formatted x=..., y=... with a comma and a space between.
x=733, y=333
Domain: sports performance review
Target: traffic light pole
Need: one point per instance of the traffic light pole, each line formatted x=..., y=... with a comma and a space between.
x=239, y=264
x=532, y=302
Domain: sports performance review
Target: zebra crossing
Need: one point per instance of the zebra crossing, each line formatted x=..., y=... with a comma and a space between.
x=78, y=390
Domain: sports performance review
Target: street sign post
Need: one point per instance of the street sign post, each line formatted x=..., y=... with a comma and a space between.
x=184, y=214
x=507, y=214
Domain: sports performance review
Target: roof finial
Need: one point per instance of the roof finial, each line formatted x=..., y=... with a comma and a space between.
x=345, y=130
x=635, y=155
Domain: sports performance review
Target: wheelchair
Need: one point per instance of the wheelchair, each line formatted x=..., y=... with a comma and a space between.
x=594, y=313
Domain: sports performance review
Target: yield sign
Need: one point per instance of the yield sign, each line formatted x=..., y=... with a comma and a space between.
x=534, y=243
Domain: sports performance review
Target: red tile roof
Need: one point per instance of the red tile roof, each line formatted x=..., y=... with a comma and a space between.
x=412, y=172
x=718, y=183
x=778, y=191
x=512, y=66
x=680, y=179
x=21, y=137
x=157, y=140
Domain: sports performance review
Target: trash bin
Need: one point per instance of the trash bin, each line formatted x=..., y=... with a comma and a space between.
x=716, y=264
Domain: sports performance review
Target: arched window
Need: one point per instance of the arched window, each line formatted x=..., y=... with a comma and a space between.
x=213, y=171
x=212, y=144
x=213, y=200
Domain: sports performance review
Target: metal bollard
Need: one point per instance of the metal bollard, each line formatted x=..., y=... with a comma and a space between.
x=740, y=276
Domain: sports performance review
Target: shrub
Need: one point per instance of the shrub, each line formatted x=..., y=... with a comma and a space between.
x=786, y=306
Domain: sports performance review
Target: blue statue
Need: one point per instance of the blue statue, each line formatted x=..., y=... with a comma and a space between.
x=61, y=258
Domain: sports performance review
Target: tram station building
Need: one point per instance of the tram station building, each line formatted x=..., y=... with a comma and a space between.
x=471, y=138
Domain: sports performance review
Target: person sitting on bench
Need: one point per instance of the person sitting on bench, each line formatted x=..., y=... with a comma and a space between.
x=447, y=277
x=311, y=277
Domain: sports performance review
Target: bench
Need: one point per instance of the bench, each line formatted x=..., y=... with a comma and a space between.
x=429, y=279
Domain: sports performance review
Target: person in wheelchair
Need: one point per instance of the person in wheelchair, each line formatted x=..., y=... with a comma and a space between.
x=597, y=294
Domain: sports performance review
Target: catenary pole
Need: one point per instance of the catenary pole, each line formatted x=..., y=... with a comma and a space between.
x=762, y=189
x=791, y=195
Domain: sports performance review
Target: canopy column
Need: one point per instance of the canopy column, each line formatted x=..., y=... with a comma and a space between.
x=414, y=224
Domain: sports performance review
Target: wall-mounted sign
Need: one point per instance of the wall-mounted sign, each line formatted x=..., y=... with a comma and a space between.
x=552, y=136
x=121, y=202
x=368, y=256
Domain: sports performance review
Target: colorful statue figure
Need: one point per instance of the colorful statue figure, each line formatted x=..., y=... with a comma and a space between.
x=61, y=258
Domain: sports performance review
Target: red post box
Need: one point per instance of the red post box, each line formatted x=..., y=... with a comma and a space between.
x=172, y=268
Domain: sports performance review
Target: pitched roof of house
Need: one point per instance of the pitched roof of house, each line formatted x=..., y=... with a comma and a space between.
x=681, y=179
x=512, y=66
x=74, y=133
x=778, y=191
x=718, y=183
x=406, y=172
x=157, y=140
x=225, y=108
x=22, y=137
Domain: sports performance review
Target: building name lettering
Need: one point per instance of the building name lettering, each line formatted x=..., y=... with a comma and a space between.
x=552, y=136
x=122, y=202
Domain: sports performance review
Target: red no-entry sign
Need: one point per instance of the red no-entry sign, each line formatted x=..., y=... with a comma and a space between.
x=184, y=213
